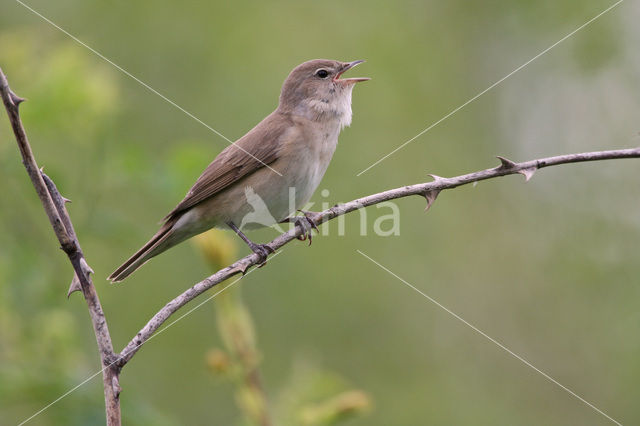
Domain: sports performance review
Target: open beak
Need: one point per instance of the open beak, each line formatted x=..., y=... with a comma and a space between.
x=347, y=66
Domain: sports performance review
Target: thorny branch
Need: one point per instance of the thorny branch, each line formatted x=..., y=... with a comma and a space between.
x=428, y=190
x=54, y=205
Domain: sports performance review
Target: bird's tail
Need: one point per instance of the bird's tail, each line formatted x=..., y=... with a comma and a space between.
x=160, y=242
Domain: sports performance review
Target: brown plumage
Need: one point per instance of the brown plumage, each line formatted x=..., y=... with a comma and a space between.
x=230, y=166
x=235, y=162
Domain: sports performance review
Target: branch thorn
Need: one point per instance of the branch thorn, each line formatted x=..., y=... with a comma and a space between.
x=430, y=196
x=74, y=286
x=85, y=267
x=505, y=163
x=241, y=267
x=528, y=172
x=17, y=100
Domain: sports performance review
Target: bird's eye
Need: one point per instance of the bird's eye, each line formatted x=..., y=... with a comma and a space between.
x=322, y=73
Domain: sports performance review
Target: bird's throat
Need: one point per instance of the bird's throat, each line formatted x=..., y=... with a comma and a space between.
x=334, y=107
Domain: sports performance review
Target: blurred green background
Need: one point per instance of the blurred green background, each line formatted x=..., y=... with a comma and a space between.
x=550, y=268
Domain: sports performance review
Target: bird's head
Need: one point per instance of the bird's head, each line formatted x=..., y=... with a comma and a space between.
x=316, y=90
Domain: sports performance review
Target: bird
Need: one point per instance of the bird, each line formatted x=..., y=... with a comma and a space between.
x=281, y=161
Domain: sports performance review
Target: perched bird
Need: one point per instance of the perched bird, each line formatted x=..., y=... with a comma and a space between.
x=269, y=173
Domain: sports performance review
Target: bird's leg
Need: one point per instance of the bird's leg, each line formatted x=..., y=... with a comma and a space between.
x=307, y=222
x=262, y=250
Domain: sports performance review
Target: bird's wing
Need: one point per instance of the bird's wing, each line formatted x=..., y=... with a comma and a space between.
x=257, y=149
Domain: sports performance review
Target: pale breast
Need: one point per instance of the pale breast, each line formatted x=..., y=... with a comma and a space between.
x=311, y=159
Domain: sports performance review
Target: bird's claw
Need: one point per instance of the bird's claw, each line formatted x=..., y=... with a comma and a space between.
x=307, y=223
x=311, y=217
x=263, y=251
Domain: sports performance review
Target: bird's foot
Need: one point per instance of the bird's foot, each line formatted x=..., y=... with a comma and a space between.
x=307, y=223
x=263, y=251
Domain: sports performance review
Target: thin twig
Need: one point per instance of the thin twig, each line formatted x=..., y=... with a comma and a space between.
x=429, y=190
x=53, y=204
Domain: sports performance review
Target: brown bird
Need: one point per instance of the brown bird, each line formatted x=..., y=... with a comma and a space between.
x=269, y=173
